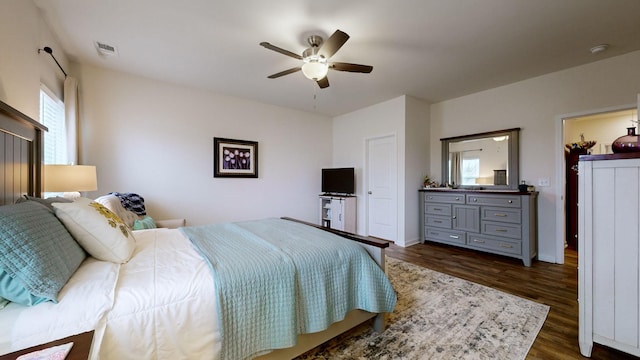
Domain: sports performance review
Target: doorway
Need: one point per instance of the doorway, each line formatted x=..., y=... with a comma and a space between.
x=382, y=187
x=579, y=134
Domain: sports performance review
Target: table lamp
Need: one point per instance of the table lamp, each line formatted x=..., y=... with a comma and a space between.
x=70, y=179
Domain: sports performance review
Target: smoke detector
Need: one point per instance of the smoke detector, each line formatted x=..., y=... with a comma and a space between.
x=106, y=49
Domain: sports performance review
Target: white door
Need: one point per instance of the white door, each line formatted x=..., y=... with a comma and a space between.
x=382, y=182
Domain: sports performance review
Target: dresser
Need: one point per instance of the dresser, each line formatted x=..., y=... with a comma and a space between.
x=500, y=222
x=608, y=252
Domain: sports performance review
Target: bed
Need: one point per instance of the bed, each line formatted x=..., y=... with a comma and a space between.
x=166, y=295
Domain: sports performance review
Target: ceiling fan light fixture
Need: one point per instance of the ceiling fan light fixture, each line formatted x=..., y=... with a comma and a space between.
x=315, y=70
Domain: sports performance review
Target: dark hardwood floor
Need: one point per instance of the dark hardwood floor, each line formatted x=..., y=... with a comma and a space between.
x=551, y=284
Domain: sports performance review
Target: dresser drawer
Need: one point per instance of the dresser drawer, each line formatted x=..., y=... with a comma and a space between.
x=495, y=245
x=437, y=209
x=449, y=236
x=497, y=200
x=509, y=215
x=438, y=221
x=502, y=229
x=454, y=198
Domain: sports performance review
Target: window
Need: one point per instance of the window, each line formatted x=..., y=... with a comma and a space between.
x=470, y=171
x=52, y=116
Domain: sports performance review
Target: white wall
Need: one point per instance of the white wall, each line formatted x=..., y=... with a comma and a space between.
x=407, y=119
x=350, y=131
x=156, y=139
x=22, y=69
x=416, y=164
x=536, y=105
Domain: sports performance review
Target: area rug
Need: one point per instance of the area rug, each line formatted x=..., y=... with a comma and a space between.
x=438, y=316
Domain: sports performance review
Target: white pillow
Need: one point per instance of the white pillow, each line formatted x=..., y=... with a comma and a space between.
x=98, y=230
x=113, y=203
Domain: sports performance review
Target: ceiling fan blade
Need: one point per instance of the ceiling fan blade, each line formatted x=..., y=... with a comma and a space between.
x=323, y=83
x=340, y=66
x=286, y=72
x=333, y=44
x=280, y=50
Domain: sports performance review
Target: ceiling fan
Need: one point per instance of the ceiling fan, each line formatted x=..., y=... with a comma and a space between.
x=316, y=58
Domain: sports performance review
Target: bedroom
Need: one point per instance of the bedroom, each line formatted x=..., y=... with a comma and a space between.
x=160, y=108
x=118, y=106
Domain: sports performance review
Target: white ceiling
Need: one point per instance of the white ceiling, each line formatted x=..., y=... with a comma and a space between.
x=430, y=49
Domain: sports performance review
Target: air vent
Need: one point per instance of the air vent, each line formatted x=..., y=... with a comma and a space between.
x=106, y=49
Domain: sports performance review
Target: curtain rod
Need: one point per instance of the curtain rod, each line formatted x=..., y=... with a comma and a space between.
x=49, y=51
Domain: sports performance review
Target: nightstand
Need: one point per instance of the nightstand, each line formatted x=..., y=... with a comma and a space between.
x=79, y=351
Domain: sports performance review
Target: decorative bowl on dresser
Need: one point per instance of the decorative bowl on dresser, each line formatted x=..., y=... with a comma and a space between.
x=500, y=222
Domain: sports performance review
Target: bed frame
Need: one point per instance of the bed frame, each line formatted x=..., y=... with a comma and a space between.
x=21, y=140
x=20, y=155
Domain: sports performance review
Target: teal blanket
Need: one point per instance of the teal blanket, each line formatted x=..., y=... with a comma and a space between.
x=276, y=279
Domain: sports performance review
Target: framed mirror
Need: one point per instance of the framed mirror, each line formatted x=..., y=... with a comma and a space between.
x=481, y=161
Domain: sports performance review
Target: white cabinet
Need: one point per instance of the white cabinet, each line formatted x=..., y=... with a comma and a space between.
x=608, y=252
x=338, y=212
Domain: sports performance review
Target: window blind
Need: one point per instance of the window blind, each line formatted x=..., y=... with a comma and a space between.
x=52, y=116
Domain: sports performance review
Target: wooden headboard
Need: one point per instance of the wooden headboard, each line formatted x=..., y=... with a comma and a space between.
x=21, y=140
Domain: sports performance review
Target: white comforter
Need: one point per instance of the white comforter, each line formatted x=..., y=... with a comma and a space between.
x=160, y=305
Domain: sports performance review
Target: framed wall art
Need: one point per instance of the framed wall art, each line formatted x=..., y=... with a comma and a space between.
x=235, y=158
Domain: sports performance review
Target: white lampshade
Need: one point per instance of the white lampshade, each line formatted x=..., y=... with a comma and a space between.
x=315, y=70
x=70, y=178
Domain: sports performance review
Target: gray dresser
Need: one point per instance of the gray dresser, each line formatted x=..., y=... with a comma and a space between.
x=500, y=222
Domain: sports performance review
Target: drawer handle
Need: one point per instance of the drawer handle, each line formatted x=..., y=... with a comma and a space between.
x=437, y=209
x=506, y=246
x=475, y=200
x=435, y=233
x=454, y=236
x=478, y=241
x=437, y=221
x=501, y=230
x=430, y=197
x=500, y=215
x=510, y=201
x=457, y=198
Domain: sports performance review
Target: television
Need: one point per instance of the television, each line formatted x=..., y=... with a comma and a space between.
x=338, y=181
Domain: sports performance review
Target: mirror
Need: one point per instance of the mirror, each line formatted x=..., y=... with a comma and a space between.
x=481, y=161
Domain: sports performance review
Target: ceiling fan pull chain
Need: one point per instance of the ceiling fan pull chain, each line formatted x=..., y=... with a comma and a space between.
x=315, y=97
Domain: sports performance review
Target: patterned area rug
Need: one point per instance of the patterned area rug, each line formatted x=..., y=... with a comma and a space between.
x=442, y=317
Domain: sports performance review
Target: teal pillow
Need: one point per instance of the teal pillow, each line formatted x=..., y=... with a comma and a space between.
x=145, y=223
x=37, y=254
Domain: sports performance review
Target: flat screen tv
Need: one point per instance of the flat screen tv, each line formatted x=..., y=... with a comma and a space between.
x=338, y=181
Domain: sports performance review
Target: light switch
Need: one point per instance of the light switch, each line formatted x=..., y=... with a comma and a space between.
x=543, y=182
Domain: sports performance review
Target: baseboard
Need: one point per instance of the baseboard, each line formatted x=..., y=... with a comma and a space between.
x=549, y=259
x=411, y=242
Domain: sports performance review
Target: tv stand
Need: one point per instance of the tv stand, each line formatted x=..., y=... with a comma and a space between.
x=338, y=212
